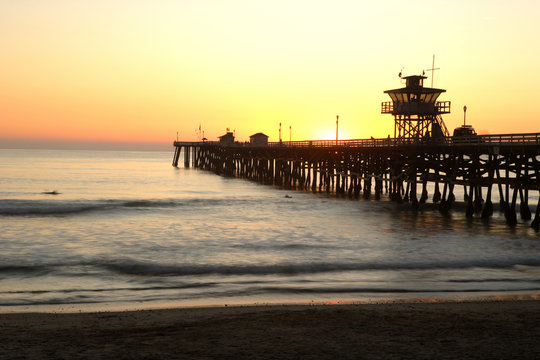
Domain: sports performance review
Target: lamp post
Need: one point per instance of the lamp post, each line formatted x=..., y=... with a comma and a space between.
x=290, y=134
x=337, y=126
x=280, y=133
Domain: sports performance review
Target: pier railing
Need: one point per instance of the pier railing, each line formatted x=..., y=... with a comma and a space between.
x=527, y=139
x=501, y=139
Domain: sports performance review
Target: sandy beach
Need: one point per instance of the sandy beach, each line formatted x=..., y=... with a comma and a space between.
x=459, y=330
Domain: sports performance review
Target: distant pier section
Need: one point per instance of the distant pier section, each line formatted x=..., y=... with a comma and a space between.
x=422, y=156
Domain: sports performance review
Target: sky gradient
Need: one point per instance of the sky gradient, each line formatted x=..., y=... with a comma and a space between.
x=140, y=71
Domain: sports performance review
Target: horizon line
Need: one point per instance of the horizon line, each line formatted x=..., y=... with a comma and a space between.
x=45, y=144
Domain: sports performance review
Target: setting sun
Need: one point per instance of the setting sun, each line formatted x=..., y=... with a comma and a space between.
x=330, y=134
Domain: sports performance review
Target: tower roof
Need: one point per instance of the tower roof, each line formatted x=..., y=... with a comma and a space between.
x=421, y=90
x=415, y=84
x=414, y=91
x=414, y=77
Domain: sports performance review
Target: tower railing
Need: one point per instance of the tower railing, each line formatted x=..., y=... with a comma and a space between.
x=441, y=107
x=387, y=107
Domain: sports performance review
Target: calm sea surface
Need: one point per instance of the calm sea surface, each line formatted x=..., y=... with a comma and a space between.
x=128, y=230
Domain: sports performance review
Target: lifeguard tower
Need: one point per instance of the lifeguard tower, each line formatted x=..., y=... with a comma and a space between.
x=417, y=113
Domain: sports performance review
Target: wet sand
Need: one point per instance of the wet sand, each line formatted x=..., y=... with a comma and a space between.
x=470, y=330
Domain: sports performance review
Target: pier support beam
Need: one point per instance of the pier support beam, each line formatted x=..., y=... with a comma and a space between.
x=186, y=156
x=176, y=156
x=535, y=224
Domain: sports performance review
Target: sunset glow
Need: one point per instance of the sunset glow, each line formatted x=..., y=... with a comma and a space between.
x=142, y=71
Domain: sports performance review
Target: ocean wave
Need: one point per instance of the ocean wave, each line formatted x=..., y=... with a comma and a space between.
x=71, y=207
x=141, y=268
x=103, y=290
x=383, y=290
x=34, y=269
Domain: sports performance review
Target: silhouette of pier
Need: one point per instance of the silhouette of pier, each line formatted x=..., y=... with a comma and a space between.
x=507, y=164
x=421, y=156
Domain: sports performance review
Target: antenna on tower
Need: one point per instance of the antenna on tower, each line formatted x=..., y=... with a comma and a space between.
x=433, y=68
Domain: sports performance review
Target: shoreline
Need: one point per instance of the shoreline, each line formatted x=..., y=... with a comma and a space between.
x=109, y=307
x=497, y=328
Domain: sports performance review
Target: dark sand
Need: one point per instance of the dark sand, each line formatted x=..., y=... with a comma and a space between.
x=471, y=330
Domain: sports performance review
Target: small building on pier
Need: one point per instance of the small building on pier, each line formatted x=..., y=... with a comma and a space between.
x=258, y=139
x=228, y=138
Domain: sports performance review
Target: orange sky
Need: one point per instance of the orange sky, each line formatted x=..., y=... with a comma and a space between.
x=141, y=71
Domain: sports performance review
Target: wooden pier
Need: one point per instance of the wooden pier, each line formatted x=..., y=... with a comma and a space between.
x=505, y=167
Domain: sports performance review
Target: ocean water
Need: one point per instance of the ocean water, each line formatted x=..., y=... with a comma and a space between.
x=127, y=230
